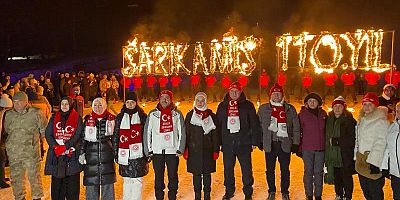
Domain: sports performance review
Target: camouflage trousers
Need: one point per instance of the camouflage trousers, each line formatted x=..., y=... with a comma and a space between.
x=18, y=169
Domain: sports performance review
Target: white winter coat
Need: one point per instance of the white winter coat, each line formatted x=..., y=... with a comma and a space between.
x=152, y=139
x=371, y=134
x=391, y=158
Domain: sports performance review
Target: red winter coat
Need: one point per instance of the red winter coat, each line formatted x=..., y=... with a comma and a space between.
x=264, y=79
x=330, y=79
x=281, y=79
x=225, y=82
x=348, y=78
x=176, y=80
x=243, y=80
x=163, y=81
x=372, y=78
x=195, y=80
x=127, y=82
x=137, y=82
x=210, y=80
x=150, y=80
x=307, y=81
x=395, y=78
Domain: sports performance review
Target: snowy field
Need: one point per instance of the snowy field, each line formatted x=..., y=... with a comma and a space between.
x=185, y=191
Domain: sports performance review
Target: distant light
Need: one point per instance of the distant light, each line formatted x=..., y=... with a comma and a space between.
x=144, y=104
x=177, y=103
x=34, y=57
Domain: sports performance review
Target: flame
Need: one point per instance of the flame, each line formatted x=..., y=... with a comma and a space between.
x=326, y=39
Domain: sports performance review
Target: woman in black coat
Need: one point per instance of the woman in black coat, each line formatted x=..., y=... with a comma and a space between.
x=339, y=149
x=63, y=134
x=202, y=145
x=97, y=155
x=128, y=147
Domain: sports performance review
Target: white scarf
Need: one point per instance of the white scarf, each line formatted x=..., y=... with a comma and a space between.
x=207, y=123
x=135, y=150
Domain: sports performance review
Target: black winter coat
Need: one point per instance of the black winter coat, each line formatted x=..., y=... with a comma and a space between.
x=201, y=147
x=63, y=166
x=346, y=141
x=99, y=168
x=250, y=131
x=136, y=167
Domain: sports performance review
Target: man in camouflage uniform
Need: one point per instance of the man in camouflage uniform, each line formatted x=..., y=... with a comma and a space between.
x=25, y=126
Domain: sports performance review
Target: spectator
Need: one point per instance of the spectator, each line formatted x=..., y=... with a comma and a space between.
x=5, y=105
x=104, y=85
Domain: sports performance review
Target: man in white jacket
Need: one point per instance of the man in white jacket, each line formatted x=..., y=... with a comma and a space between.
x=164, y=140
x=391, y=158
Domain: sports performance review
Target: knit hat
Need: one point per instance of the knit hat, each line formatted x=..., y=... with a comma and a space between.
x=315, y=96
x=131, y=96
x=339, y=100
x=5, y=101
x=21, y=96
x=371, y=97
x=389, y=85
x=167, y=92
x=235, y=85
x=276, y=88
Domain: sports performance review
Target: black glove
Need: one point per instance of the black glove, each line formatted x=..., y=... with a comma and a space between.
x=385, y=173
x=260, y=146
x=295, y=148
x=299, y=154
x=374, y=169
x=335, y=141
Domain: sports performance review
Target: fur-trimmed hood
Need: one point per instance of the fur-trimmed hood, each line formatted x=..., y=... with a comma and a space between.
x=379, y=113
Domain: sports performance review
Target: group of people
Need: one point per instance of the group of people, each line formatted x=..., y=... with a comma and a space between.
x=132, y=139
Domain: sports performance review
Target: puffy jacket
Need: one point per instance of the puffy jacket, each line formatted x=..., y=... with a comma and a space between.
x=292, y=124
x=371, y=135
x=250, y=131
x=152, y=139
x=391, y=158
x=99, y=168
x=312, y=130
x=136, y=167
x=72, y=165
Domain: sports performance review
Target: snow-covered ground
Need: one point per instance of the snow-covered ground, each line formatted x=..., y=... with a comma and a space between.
x=185, y=191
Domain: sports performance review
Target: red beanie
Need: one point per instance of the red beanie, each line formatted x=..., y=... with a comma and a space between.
x=167, y=92
x=371, y=97
x=276, y=88
x=339, y=100
x=235, y=85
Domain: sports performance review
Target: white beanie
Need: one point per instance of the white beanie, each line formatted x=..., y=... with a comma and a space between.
x=5, y=101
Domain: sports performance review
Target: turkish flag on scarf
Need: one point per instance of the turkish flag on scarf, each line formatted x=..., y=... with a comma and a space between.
x=166, y=125
x=233, y=117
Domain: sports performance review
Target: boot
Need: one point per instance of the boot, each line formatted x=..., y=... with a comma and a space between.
x=318, y=198
x=207, y=196
x=197, y=196
x=309, y=198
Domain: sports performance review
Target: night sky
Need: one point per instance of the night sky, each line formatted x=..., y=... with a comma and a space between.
x=72, y=28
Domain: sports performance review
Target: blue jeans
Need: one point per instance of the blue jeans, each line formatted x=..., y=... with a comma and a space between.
x=284, y=161
x=313, y=172
x=93, y=192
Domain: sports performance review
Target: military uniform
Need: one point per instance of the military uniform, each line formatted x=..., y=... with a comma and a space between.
x=25, y=129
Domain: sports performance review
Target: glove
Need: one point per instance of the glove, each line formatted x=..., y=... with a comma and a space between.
x=150, y=154
x=295, y=148
x=299, y=154
x=186, y=154
x=82, y=159
x=335, y=141
x=215, y=155
x=385, y=173
x=59, y=150
x=260, y=146
x=374, y=169
x=178, y=153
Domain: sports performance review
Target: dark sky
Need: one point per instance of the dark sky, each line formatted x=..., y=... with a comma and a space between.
x=92, y=27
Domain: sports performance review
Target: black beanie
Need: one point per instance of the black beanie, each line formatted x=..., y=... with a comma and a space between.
x=313, y=95
x=131, y=96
